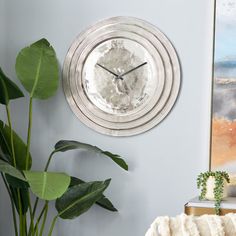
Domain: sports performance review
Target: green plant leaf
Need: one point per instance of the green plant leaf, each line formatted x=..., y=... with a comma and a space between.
x=10, y=170
x=19, y=188
x=16, y=182
x=38, y=70
x=47, y=185
x=79, y=198
x=4, y=157
x=8, y=89
x=67, y=145
x=19, y=146
x=23, y=193
x=103, y=202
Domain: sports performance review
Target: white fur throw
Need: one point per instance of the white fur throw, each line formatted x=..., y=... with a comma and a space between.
x=183, y=225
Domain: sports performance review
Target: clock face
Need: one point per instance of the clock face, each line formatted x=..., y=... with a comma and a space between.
x=121, y=76
x=118, y=76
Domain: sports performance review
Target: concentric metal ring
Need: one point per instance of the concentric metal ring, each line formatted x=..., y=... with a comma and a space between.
x=168, y=79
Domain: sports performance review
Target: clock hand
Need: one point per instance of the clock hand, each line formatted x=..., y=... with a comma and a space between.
x=135, y=68
x=103, y=67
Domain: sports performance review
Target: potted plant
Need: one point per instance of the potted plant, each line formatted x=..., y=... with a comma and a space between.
x=38, y=71
x=213, y=186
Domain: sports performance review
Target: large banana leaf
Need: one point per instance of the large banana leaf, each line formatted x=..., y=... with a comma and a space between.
x=17, y=184
x=67, y=145
x=10, y=170
x=8, y=89
x=103, y=202
x=3, y=157
x=19, y=191
x=79, y=198
x=19, y=146
x=20, y=194
x=37, y=69
x=47, y=185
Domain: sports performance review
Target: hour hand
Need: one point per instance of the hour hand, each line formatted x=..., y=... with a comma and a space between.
x=103, y=67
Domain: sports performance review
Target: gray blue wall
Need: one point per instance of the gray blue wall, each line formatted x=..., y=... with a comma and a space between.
x=165, y=161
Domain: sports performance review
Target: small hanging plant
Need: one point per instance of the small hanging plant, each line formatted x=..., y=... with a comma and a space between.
x=220, y=179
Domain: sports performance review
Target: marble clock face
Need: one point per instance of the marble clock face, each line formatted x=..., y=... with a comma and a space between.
x=121, y=76
x=118, y=77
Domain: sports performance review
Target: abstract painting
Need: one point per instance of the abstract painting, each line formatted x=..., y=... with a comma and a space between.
x=223, y=132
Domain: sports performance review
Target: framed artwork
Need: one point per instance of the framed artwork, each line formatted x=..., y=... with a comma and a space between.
x=223, y=125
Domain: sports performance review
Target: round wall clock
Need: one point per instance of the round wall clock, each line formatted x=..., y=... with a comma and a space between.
x=121, y=76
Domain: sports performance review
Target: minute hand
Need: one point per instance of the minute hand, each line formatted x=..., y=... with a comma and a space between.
x=135, y=68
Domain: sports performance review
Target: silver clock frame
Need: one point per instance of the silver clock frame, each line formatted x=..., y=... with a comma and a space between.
x=168, y=85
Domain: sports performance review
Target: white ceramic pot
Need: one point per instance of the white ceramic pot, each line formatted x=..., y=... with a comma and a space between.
x=210, y=185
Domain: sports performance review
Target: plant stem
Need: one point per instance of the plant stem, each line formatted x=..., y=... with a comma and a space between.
x=44, y=219
x=40, y=215
x=24, y=225
x=12, y=205
x=50, y=157
x=29, y=133
x=52, y=225
x=31, y=228
x=21, y=226
x=35, y=206
x=37, y=229
x=11, y=133
x=49, y=160
x=45, y=169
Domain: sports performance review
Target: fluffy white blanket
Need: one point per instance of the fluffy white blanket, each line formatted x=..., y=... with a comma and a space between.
x=183, y=225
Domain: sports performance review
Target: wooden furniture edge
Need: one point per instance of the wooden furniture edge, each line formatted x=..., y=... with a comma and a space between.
x=198, y=211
